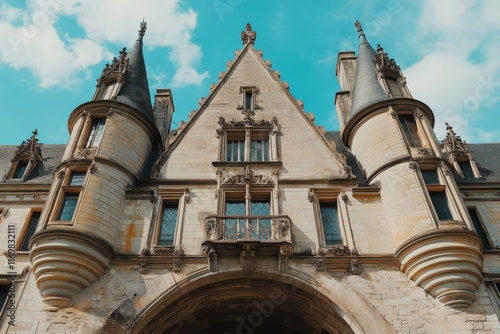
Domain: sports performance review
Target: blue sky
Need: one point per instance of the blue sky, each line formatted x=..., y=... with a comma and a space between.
x=52, y=52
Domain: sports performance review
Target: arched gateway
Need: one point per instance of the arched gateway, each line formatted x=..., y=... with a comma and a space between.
x=255, y=302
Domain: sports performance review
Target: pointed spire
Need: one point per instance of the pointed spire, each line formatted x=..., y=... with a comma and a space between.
x=367, y=89
x=135, y=89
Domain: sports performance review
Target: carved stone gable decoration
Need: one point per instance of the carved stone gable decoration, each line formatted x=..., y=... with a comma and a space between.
x=454, y=145
x=116, y=70
x=247, y=122
x=386, y=65
x=248, y=36
x=30, y=152
x=246, y=176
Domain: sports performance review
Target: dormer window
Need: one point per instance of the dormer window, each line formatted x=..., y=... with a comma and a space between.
x=410, y=129
x=109, y=91
x=28, y=155
x=20, y=170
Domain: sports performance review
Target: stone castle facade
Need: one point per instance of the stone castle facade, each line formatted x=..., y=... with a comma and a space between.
x=250, y=218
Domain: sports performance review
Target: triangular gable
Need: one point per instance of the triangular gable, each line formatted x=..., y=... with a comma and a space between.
x=283, y=86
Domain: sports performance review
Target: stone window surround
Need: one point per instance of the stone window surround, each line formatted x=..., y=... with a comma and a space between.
x=331, y=195
x=64, y=179
x=180, y=196
x=248, y=130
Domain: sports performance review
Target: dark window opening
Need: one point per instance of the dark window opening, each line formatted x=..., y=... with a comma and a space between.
x=410, y=130
x=96, y=132
x=440, y=203
x=20, y=169
x=30, y=230
x=168, y=224
x=479, y=229
x=330, y=221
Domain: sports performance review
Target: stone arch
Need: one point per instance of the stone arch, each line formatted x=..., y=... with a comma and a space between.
x=254, y=302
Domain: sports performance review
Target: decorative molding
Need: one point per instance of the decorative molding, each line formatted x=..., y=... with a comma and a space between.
x=336, y=251
x=116, y=70
x=144, y=266
x=285, y=252
x=413, y=166
x=247, y=256
x=29, y=152
x=93, y=168
x=162, y=250
x=246, y=176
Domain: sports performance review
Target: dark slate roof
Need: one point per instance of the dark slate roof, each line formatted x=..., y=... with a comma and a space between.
x=350, y=158
x=487, y=157
x=367, y=90
x=42, y=174
x=135, y=90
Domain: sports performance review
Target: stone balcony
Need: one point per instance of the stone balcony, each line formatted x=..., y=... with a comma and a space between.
x=248, y=236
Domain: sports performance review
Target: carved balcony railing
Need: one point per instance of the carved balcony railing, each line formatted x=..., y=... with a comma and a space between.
x=272, y=228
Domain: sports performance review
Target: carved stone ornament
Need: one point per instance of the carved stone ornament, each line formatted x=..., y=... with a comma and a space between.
x=143, y=266
x=413, y=166
x=177, y=260
x=386, y=65
x=454, y=146
x=335, y=251
x=93, y=168
x=280, y=229
x=247, y=257
x=211, y=256
x=354, y=267
x=248, y=36
x=249, y=121
x=116, y=70
x=162, y=250
x=285, y=251
x=246, y=176
x=214, y=229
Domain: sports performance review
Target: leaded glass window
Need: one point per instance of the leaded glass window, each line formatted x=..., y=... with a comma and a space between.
x=77, y=178
x=440, y=203
x=235, y=150
x=430, y=176
x=259, y=150
x=466, y=169
x=330, y=221
x=168, y=224
x=68, y=206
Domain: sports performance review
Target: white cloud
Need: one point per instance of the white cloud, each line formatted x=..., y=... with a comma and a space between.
x=458, y=72
x=29, y=39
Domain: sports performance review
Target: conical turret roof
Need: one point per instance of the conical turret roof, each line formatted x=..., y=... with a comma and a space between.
x=135, y=90
x=367, y=89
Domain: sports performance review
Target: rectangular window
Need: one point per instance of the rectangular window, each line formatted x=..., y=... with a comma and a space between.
x=440, y=203
x=96, y=132
x=479, y=229
x=77, y=178
x=20, y=169
x=235, y=150
x=30, y=230
x=68, y=206
x=466, y=169
x=259, y=150
x=256, y=225
x=410, y=130
x=248, y=100
x=168, y=224
x=330, y=222
x=437, y=193
x=394, y=87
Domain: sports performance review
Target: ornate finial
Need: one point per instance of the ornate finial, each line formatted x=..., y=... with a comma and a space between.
x=142, y=30
x=35, y=132
x=385, y=64
x=358, y=26
x=453, y=144
x=248, y=35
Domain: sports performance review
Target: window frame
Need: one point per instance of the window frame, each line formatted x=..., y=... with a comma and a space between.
x=180, y=197
x=435, y=189
x=25, y=231
x=68, y=189
x=333, y=204
x=411, y=133
x=246, y=137
x=248, y=98
x=165, y=205
x=317, y=196
x=91, y=135
x=8, y=297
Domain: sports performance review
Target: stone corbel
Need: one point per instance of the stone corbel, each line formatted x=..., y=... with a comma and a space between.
x=177, y=260
x=144, y=267
x=285, y=251
x=211, y=256
x=354, y=267
x=247, y=258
